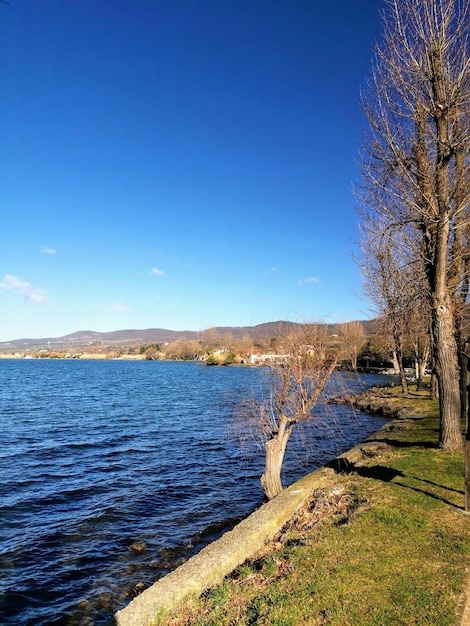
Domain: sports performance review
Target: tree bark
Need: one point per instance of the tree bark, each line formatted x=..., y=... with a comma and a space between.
x=467, y=459
x=421, y=373
x=467, y=472
x=399, y=357
x=463, y=381
x=447, y=369
x=271, y=479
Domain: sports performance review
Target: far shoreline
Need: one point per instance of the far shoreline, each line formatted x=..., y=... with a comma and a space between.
x=100, y=356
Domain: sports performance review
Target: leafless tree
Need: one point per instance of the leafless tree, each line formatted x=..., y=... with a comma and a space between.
x=415, y=166
x=292, y=389
x=210, y=339
x=244, y=347
x=353, y=338
x=419, y=340
x=390, y=282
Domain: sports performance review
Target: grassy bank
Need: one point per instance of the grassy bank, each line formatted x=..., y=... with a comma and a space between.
x=385, y=543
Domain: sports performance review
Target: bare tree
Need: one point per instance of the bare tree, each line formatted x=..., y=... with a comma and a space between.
x=353, y=338
x=416, y=162
x=293, y=388
x=210, y=339
x=244, y=347
x=419, y=338
x=396, y=288
x=390, y=282
x=228, y=341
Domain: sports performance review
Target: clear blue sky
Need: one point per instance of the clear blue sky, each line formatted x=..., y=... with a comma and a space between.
x=179, y=163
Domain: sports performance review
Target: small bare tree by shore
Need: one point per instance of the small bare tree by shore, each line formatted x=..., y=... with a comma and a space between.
x=293, y=387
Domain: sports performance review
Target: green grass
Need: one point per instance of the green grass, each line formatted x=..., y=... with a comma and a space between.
x=388, y=544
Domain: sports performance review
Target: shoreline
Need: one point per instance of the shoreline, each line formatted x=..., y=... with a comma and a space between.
x=100, y=356
x=379, y=469
x=218, y=559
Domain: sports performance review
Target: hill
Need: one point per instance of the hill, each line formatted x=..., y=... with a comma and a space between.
x=145, y=337
x=133, y=337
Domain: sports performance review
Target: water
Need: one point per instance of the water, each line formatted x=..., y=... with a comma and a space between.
x=112, y=473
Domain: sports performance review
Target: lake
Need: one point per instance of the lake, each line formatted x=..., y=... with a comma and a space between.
x=114, y=472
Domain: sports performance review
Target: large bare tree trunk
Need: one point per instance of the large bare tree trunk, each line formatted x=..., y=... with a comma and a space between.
x=443, y=323
x=463, y=380
x=467, y=471
x=467, y=435
x=271, y=479
x=447, y=369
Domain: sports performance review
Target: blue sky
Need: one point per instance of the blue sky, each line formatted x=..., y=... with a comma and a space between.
x=179, y=163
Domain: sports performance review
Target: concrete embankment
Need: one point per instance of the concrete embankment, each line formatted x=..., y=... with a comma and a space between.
x=220, y=558
x=208, y=567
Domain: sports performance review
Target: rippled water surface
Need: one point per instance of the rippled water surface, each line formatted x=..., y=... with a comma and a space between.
x=112, y=473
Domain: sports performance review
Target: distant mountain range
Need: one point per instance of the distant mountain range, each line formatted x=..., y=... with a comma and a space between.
x=83, y=338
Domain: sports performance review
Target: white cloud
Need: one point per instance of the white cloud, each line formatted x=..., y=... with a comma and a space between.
x=115, y=307
x=309, y=280
x=118, y=307
x=22, y=288
x=156, y=272
x=47, y=250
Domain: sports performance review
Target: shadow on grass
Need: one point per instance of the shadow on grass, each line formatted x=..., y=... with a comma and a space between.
x=376, y=472
x=430, y=482
x=398, y=443
x=430, y=494
x=341, y=465
x=387, y=474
